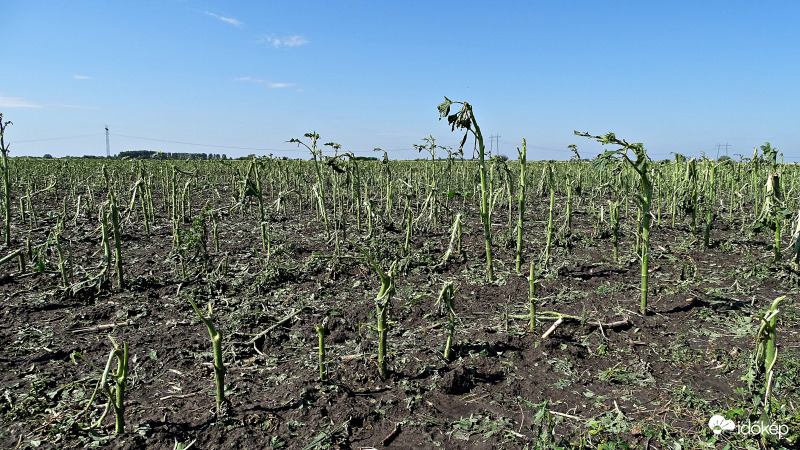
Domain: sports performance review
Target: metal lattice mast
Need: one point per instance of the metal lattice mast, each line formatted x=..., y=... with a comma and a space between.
x=108, y=145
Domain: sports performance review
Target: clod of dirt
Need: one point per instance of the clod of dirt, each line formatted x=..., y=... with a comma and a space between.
x=337, y=331
x=457, y=381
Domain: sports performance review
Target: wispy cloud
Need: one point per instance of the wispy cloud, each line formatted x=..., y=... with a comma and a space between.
x=270, y=84
x=81, y=77
x=288, y=41
x=230, y=20
x=16, y=102
x=64, y=105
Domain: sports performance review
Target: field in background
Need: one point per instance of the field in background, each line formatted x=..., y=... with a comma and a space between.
x=277, y=247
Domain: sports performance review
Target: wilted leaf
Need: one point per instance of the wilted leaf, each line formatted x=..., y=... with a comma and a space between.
x=444, y=108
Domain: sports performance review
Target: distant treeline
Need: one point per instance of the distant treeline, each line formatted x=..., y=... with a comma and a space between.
x=150, y=154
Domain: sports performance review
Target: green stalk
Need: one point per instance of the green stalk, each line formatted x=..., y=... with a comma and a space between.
x=6, y=181
x=487, y=231
x=106, y=243
x=569, y=205
x=446, y=300
x=174, y=198
x=521, y=204
x=316, y=154
x=323, y=373
x=465, y=119
x=62, y=263
x=409, y=223
x=647, y=191
x=532, y=298
x=120, y=377
x=260, y=196
x=117, y=242
x=613, y=212
x=550, y=216
x=19, y=254
x=766, y=353
x=369, y=218
x=382, y=305
x=219, y=367
x=215, y=233
x=642, y=167
x=691, y=186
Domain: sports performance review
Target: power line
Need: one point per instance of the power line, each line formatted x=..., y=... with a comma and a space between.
x=56, y=138
x=205, y=145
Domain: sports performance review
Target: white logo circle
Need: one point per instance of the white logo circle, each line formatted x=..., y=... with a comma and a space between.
x=718, y=423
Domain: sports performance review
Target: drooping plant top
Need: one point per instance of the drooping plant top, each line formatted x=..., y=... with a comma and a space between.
x=462, y=120
x=641, y=165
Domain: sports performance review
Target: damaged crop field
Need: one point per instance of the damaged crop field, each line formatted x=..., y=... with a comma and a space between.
x=343, y=302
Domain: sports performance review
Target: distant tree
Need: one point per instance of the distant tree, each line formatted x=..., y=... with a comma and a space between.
x=47, y=156
x=724, y=158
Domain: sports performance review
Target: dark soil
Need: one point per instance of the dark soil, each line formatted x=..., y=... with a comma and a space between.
x=648, y=384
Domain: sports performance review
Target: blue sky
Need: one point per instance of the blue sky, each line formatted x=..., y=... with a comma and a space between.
x=679, y=76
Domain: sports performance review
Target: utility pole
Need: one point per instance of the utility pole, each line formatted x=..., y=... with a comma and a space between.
x=108, y=145
x=492, y=139
x=726, y=145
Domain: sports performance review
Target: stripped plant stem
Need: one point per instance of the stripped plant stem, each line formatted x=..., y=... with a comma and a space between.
x=532, y=298
x=116, y=230
x=464, y=119
x=320, y=328
x=642, y=168
x=219, y=367
x=382, y=304
x=521, y=204
x=316, y=154
x=120, y=378
x=455, y=238
x=549, y=231
x=6, y=180
x=446, y=301
x=766, y=353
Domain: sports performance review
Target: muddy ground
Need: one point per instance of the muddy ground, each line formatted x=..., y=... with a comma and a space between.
x=650, y=383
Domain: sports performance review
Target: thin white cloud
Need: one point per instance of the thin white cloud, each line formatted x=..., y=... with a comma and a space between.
x=230, y=20
x=81, y=77
x=64, y=105
x=295, y=41
x=289, y=41
x=270, y=84
x=16, y=102
x=279, y=85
